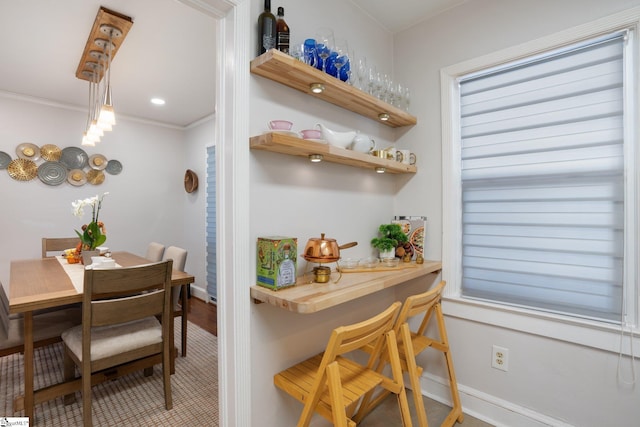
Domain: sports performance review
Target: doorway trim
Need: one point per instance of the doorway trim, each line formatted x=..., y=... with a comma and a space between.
x=232, y=158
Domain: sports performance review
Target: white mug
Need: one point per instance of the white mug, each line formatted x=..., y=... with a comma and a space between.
x=392, y=153
x=408, y=158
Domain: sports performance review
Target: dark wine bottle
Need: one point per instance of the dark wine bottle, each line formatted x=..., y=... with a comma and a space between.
x=282, y=32
x=266, y=29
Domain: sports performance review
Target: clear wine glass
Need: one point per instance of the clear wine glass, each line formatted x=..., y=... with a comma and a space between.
x=324, y=42
x=399, y=95
x=371, y=81
x=379, y=85
x=297, y=51
x=342, y=50
x=387, y=94
x=361, y=73
x=407, y=99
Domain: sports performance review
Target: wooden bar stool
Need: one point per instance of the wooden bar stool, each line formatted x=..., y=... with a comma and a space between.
x=426, y=304
x=332, y=385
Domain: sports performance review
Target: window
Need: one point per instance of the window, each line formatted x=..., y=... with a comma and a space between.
x=539, y=179
x=542, y=169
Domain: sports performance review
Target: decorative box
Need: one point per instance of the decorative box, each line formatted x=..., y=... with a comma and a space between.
x=276, y=261
x=415, y=228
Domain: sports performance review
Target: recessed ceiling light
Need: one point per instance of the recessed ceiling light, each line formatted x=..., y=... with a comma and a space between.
x=157, y=101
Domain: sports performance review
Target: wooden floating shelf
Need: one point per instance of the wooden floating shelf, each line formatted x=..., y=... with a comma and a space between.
x=288, y=71
x=307, y=297
x=286, y=144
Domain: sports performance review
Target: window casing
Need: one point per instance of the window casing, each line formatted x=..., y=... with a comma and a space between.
x=516, y=315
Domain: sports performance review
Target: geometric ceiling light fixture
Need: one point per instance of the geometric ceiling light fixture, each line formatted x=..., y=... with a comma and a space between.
x=106, y=36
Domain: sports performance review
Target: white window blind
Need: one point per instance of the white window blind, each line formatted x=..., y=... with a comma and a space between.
x=542, y=151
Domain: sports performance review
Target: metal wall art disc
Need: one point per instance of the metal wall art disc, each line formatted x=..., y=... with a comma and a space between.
x=114, y=167
x=74, y=158
x=50, y=152
x=76, y=177
x=28, y=151
x=5, y=159
x=52, y=173
x=95, y=177
x=98, y=162
x=22, y=169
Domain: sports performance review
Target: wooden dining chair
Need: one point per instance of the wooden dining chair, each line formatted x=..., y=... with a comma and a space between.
x=58, y=244
x=47, y=326
x=119, y=325
x=428, y=305
x=155, y=251
x=179, y=257
x=332, y=385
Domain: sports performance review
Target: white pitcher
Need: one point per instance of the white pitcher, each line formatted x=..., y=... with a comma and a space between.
x=339, y=139
x=363, y=143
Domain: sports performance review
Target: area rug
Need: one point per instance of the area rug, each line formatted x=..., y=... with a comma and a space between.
x=132, y=400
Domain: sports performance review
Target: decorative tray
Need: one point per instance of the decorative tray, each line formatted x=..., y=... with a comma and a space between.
x=378, y=268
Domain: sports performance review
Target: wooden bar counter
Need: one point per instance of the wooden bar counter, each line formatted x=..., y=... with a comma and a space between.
x=307, y=297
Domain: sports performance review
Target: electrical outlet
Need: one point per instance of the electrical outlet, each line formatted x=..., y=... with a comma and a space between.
x=500, y=358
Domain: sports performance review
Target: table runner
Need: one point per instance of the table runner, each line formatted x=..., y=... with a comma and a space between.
x=75, y=272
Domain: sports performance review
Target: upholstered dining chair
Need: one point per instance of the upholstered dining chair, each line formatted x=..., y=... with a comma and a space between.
x=332, y=384
x=119, y=325
x=155, y=251
x=179, y=257
x=58, y=244
x=47, y=326
x=426, y=305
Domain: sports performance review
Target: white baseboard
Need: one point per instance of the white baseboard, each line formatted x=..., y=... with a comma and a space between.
x=485, y=407
x=199, y=293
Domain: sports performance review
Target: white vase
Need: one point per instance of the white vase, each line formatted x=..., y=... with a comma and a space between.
x=391, y=253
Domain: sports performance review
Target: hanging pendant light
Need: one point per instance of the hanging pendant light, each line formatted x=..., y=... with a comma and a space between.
x=90, y=135
x=94, y=129
x=107, y=27
x=106, y=116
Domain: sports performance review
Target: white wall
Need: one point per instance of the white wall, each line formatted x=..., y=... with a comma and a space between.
x=548, y=381
x=142, y=200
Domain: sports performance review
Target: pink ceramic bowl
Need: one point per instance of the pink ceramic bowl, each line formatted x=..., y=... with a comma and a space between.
x=311, y=134
x=280, y=125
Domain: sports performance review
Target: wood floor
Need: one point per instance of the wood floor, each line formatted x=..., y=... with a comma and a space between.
x=203, y=314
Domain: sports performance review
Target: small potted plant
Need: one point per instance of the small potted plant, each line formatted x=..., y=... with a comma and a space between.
x=390, y=236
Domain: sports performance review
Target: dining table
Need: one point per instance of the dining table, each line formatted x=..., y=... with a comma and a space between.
x=46, y=283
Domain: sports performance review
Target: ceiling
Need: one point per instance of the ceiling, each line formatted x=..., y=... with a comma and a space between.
x=168, y=53
x=401, y=14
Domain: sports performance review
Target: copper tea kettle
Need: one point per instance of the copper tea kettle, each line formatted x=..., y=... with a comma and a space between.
x=324, y=250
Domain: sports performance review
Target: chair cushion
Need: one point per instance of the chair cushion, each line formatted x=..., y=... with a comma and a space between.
x=45, y=325
x=110, y=340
